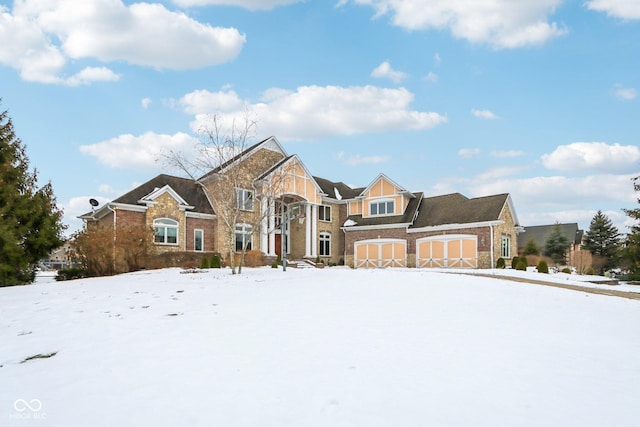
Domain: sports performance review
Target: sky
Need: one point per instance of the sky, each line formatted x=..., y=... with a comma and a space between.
x=536, y=98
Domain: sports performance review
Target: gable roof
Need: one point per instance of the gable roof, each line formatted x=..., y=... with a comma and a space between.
x=458, y=209
x=269, y=143
x=540, y=234
x=187, y=189
x=389, y=180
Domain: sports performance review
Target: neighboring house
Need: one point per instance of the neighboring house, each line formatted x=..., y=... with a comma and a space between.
x=540, y=234
x=381, y=225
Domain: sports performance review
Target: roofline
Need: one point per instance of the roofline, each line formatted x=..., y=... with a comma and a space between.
x=375, y=227
x=454, y=226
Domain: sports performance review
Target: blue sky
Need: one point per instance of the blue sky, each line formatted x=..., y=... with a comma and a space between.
x=536, y=98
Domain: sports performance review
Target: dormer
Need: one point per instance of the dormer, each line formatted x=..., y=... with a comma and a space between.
x=382, y=198
x=157, y=194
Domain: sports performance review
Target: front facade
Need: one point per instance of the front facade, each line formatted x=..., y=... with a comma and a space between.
x=276, y=205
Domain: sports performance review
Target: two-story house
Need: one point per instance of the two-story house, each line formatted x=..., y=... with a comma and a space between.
x=381, y=225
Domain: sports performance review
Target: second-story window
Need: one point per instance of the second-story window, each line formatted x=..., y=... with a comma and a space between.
x=244, y=199
x=383, y=207
x=324, y=213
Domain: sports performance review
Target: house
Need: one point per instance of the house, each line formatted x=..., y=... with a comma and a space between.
x=277, y=205
x=540, y=234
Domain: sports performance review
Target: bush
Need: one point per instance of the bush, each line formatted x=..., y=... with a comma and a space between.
x=515, y=260
x=215, y=262
x=522, y=264
x=501, y=263
x=590, y=271
x=71, y=274
x=274, y=265
x=566, y=270
x=543, y=267
x=204, y=263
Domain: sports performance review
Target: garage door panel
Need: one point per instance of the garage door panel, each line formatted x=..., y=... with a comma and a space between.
x=380, y=254
x=447, y=252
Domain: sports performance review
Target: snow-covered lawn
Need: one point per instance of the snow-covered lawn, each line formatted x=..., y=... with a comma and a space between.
x=330, y=347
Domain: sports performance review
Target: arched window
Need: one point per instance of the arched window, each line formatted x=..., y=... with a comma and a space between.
x=166, y=231
x=325, y=244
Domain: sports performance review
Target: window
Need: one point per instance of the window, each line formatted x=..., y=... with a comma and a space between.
x=505, y=252
x=385, y=207
x=324, y=213
x=198, y=240
x=244, y=199
x=325, y=244
x=243, y=237
x=166, y=231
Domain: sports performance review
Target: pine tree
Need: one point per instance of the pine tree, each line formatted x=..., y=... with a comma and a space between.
x=632, y=243
x=531, y=248
x=603, y=241
x=556, y=245
x=30, y=221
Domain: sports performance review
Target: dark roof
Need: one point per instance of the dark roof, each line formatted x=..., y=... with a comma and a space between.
x=406, y=218
x=188, y=189
x=458, y=209
x=540, y=234
x=233, y=159
x=329, y=188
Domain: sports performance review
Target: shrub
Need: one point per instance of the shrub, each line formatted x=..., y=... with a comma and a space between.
x=543, y=267
x=274, y=265
x=590, y=271
x=204, y=263
x=515, y=260
x=71, y=274
x=521, y=264
x=501, y=263
x=215, y=262
x=566, y=270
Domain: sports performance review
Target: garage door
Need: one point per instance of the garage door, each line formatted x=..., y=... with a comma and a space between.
x=452, y=251
x=380, y=253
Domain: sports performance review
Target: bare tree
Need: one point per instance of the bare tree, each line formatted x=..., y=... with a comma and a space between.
x=241, y=187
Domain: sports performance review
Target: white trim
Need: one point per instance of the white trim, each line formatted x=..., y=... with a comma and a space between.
x=314, y=231
x=454, y=226
x=151, y=197
x=375, y=227
x=392, y=182
x=199, y=215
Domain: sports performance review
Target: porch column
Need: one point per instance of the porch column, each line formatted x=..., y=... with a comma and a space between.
x=314, y=231
x=264, y=225
x=307, y=235
x=272, y=228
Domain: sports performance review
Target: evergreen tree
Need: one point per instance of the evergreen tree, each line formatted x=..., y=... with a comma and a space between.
x=557, y=245
x=603, y=241
x=632, y=243
x=531, y=248
x=30, y=221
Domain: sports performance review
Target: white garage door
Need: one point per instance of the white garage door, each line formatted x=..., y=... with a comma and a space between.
x=380, y=253
x=452, y=251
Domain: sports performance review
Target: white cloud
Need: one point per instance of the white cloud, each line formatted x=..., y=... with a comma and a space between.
x=431, y=77
x=437, y=59
x=467, y=153
x=484, y=114
x=146, y=102
x=499, y=23
x=312, y=112
x=143, y=152
x=501, y=154
x=594, y=156
x=625, y=93
x=47, y=36
x=92, y=74
x=385, y=70
x=357, y=159
x=247, y=4
x=625, y=9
